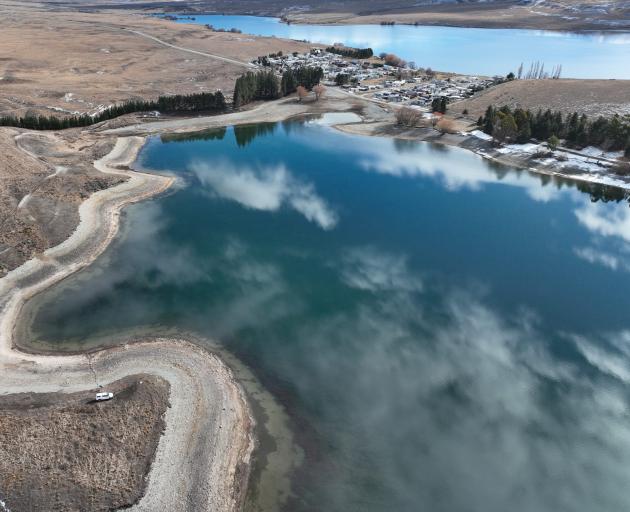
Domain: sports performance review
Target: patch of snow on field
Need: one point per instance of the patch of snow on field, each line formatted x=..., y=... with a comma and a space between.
x=59, y=170
x=4, y=506
x=481, y=135
x=100, y=109
x=23, y=201
x=65, y=111
x=68, y=97
x=601, y=179
x=520, y=148
x=583, y=163
x=596, y=152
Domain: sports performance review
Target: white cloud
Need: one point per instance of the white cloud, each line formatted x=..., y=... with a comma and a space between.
x=612, y=221
x=615, y=363
x=595, y=256
x=373, y=270
x=267, y=188
x=466, y=410
x=464, y=170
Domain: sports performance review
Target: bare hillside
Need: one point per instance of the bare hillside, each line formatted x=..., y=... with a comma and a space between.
x=66, y=453
x=591, y=97
x=545, y=14
x=60, y=62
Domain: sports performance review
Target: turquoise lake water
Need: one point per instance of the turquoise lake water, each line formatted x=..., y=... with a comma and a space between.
x=475, y=51
x=445, y=334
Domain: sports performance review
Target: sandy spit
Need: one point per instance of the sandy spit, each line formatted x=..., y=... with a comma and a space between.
x=203, y=458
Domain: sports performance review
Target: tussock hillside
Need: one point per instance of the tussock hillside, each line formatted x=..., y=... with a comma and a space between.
x=590, y=97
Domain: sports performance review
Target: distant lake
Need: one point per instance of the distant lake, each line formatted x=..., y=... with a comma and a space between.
x=446, y=334
x=462, y=50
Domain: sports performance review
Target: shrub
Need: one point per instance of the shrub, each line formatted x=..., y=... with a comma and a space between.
x=447, y=126
x=409, y=117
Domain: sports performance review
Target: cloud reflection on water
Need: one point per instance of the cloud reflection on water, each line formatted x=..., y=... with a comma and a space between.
x=613, y=221
x=466, y=410
x=267, y=188
x=373, y=270
x=464, y=170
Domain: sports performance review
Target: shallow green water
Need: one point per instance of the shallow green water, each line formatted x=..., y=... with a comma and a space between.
x=446, y=335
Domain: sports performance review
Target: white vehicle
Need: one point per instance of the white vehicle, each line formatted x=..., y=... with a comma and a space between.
x=104, y=396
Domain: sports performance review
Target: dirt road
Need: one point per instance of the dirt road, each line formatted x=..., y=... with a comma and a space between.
x=196, y=52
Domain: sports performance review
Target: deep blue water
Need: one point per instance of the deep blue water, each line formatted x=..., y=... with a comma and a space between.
x=447, y=335
x=475, y=51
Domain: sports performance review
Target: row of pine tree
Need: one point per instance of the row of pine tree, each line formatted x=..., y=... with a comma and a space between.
x=205, y=101
x=265, y=85
x=519, y=125
x=262, y=85
x=353, y=53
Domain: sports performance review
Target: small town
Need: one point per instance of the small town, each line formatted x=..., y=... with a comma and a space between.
x=377, y=79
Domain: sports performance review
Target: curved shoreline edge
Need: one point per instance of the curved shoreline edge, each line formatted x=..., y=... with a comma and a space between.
x=203, y=458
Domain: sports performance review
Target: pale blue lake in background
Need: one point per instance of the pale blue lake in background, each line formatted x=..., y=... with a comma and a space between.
x=475, y=51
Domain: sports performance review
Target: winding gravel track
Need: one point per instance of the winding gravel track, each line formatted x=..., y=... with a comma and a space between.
x=202, y=460
x=196, y=52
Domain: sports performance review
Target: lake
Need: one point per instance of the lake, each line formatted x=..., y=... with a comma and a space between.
x=474, y=51
x=444, y=333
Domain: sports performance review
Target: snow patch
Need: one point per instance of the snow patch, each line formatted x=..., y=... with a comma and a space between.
x=584, y=163
x=520, y=148
x=599, y=153
x=100, y=109
x=481, y=135
x=65, y=111
x=59, y=170
x=23, y=201
x=601, y=179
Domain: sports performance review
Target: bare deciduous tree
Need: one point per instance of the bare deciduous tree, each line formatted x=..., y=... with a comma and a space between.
x=410, y=117
x=394, y=60
x=301, y=92
x=319, y=91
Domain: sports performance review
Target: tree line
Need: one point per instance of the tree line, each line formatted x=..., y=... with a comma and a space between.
x=204, y=101
x=519, y=125
x=266, y=85
x=353, y=53
x=262, y=85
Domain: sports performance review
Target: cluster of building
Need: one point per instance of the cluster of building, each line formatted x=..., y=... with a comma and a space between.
x=331, y=63
x=422, y=90
x=372, y=78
